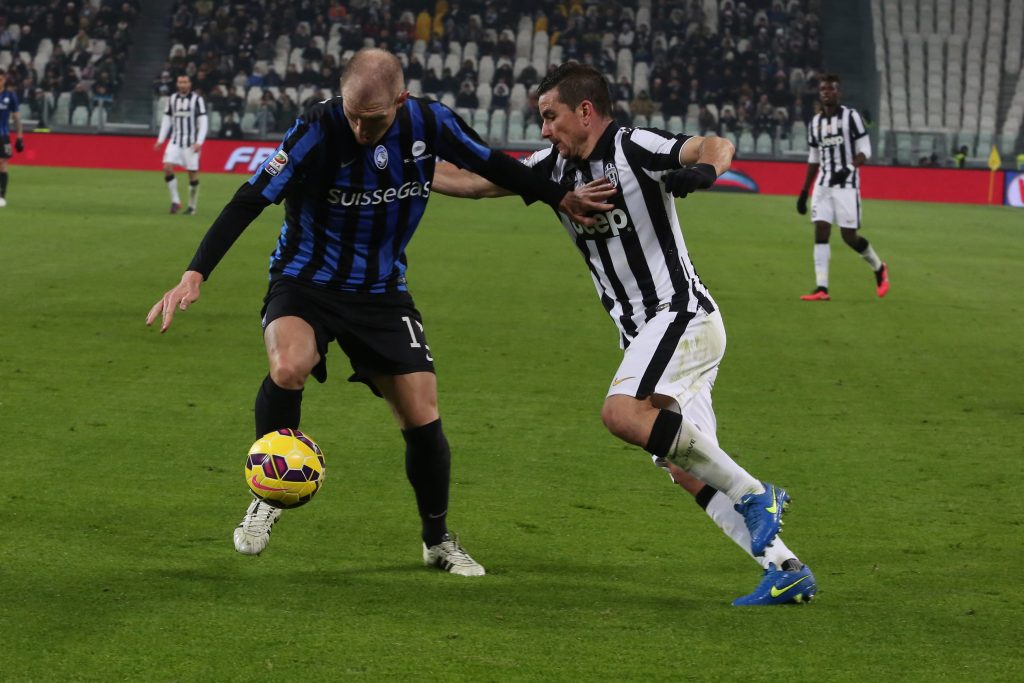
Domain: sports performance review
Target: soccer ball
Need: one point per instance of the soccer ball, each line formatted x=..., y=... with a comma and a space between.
x=285, y=468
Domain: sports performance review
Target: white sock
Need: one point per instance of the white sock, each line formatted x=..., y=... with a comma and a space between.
x=822, y=253
x=871, y=257
x=172, y=185
x=698, y=454
x=721, y=511
x=193, y=196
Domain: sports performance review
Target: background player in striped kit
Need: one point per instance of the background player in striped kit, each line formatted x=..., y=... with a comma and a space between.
x=669, y=326
x=185, y=122
x=355, y=174
x=8, y=112
x=838, y=145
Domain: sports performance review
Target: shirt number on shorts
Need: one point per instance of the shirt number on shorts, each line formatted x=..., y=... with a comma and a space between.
x=415, y=343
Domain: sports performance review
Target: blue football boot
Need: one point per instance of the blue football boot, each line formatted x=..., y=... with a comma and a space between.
x=779, y=587
x=763, y=514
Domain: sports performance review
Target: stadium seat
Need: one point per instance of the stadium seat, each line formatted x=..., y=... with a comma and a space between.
x=675, y=124
x=533, y=132
x=483, y=94
x=80, y=116
x=499, y=125
x=485, y=70
x=515, y=125
x=746, y=143
x=98, y=117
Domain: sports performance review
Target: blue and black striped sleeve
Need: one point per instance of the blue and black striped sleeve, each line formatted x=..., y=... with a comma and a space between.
x=458, y=143
x=284, y=170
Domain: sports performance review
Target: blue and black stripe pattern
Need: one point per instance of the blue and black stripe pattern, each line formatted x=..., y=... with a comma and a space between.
x=350, y=210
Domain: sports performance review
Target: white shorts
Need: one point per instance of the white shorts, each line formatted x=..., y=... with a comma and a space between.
x=185, y=157
x=839, y=205
x=676, y=356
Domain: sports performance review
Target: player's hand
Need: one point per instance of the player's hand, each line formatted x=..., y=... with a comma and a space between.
x=156, y=146
x=839, y=177
x=588, y=199
x=690, y=179
x=196, y=147
x=801, y=203
x=19, y=145
x=182, y=296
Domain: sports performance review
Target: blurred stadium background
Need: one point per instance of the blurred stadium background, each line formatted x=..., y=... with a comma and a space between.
x=934, y=77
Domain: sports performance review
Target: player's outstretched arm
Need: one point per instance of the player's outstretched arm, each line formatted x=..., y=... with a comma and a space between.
x=453, y=181
x=181, y=297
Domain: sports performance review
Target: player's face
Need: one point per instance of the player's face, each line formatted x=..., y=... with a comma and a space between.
x=828, y=91
x=370, y=118
x=184, y=85
x=563, y=127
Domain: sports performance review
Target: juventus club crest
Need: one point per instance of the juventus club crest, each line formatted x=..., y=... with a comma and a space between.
x=380, y=157
x=611, y=174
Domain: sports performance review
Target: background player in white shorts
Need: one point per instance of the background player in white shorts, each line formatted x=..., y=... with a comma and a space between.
x=838, y=145
x=184, y=126
x=669, y=326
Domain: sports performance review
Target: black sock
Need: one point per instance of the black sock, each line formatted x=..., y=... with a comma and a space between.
x=277, y=408
x=169, y=177
x=3, y=184
x=705, y=495
x=428, y=462
x=664, y=433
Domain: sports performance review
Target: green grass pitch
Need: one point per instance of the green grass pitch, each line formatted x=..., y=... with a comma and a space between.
x=895, y=423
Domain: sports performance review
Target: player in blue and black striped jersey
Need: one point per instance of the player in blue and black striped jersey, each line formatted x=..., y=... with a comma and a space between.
x=354, y=175
x=8, y=112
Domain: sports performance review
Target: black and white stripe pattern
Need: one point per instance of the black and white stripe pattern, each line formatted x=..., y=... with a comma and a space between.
x=833, y=140
x=636, y=253
x=184, y=112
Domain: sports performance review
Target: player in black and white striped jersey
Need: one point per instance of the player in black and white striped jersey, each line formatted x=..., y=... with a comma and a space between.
x=838, y=145
x=669, y=326
x=184, y=125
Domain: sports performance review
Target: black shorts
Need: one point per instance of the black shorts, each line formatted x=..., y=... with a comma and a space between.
x=6, y=150
x=382, y=334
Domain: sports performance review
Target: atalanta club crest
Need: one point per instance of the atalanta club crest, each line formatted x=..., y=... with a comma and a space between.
x=380, y=157
x=611, y=174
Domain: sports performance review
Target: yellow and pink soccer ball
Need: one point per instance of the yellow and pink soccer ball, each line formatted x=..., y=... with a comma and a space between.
x=285, y=468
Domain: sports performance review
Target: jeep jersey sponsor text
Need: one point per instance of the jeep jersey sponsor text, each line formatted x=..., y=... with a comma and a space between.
x=607, y=224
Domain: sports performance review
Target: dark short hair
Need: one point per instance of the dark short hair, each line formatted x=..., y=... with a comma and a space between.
x=578, y=82
x=830, y=77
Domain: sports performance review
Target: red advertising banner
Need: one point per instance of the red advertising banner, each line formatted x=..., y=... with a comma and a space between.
x=962, y=186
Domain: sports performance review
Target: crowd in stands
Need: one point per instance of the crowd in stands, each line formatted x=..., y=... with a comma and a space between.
x=65, y=46
x=726, y=67
x=749, y=66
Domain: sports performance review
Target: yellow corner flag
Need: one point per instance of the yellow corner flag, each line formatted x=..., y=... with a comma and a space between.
x=994, y=162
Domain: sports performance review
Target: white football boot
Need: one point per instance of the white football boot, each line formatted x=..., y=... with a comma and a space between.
x=450, y=556
x=253, y=534
x=3, y=202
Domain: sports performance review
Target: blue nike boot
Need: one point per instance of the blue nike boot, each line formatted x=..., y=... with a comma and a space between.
x=763, y=515
x=779, y=587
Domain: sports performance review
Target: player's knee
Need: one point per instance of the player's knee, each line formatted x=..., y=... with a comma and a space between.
x=288, y=373
x=619, y=421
